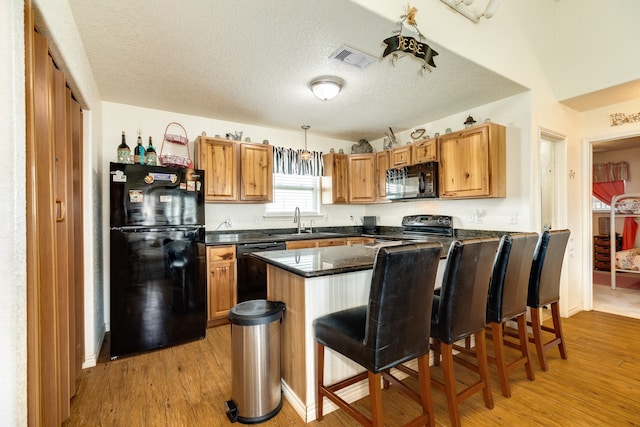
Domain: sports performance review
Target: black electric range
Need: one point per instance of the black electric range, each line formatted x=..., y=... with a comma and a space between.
x=422, y=228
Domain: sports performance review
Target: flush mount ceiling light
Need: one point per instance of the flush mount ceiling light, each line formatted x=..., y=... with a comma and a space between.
x=305, y=155
x=464, y=8
x=326, y=88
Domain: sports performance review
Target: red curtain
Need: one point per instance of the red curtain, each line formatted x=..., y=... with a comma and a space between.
x=604, y=191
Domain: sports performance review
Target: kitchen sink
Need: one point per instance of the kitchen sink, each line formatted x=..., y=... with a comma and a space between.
x=302, y=236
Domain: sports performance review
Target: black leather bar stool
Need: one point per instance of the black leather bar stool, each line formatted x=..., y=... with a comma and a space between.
x=507, y=300
x=393, y=328
x=544, y=289
x=459, y=311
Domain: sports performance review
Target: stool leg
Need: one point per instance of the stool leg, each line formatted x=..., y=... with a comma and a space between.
x=501, y=365
x=320, y=379
x=424, y=380
x=483, y=367
x=537, y=337
x=375, y=395
x=446, y=351
x=524, y=345
x=557, y=327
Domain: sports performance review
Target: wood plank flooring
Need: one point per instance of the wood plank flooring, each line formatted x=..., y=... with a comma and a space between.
x=187, y=385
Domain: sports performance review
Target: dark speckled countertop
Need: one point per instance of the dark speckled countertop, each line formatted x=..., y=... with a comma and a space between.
x=325, y=261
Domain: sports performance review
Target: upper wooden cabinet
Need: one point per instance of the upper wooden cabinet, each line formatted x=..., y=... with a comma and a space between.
x=362, y=178
x=235, y=172
x=425, y=150
x=472, y=163
x=401, y=156
x=256, y=172
x=219, y=159
x=382, y=164
x=334, y=181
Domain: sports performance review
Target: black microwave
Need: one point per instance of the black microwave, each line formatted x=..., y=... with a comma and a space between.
x=413, y=182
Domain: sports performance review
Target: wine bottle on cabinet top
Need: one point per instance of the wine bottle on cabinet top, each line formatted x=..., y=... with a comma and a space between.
x=124, y=152
x=151, y=156
x=139, y=152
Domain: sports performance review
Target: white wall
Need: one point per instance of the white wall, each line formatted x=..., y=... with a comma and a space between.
x=13, y=314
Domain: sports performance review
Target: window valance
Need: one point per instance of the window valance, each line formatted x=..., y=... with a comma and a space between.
x=288, y=161
x=609, y=172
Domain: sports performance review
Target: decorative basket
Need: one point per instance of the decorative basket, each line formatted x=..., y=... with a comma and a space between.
x=180, y=138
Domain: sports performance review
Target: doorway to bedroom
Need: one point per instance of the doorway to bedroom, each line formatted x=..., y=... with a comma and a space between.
x=607, y=158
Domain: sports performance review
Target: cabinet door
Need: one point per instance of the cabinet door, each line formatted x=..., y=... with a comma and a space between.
x=334, y=181
x=472, y=163
x=382, y=164
x=221, y=283
x=425, y=150
x=401, y=156
x=218, y=158
x=362, y=178
x=302, y=244
x=359, y=240
x=256, y=172
x=341, y=241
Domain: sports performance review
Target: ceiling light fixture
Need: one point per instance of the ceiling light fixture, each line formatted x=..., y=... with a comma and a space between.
x=326, y=88
x=464, y=8
x=305, y=155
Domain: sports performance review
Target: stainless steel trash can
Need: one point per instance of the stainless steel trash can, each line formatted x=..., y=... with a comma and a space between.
x=256, y=394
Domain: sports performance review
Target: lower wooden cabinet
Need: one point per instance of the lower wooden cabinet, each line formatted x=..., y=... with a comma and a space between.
x=221, y=283
x=359, y=240
x=316, y=243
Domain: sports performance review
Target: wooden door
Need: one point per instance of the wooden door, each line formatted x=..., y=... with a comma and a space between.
x=464, y=165
x=221, y=282
x=362, y=178
x=425, y=150
x=54, y=235
x=382, y=164
x=334, y=182
x=219, y=159
x=256, y=172
x=401, y=156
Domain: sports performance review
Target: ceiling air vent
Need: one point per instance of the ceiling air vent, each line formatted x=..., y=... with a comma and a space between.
x=353, y=57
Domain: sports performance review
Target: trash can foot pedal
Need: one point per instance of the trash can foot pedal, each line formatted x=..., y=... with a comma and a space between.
x=232, y=410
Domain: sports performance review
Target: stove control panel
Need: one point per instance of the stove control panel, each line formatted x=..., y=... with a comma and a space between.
x=443, y=221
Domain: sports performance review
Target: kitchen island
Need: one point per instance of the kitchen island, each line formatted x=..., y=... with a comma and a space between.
x=313, y=282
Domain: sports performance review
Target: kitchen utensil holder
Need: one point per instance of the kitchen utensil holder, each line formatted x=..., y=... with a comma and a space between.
x=177, y=138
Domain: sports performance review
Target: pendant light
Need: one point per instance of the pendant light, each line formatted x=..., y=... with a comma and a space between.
x=305, y=155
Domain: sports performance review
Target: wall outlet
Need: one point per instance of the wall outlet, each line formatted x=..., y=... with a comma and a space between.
x=513, y=218
x=227, y=222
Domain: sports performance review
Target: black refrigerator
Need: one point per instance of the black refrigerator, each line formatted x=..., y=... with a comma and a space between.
x=158, y=262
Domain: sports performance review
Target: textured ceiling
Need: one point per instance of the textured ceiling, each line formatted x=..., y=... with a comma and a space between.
x=251, y=62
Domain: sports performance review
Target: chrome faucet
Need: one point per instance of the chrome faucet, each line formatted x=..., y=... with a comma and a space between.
x=296, y=218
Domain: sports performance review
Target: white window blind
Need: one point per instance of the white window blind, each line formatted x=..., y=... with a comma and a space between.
x=291, y=191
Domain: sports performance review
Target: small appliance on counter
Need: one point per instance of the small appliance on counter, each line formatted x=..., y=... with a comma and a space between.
x=158, y=258
x=368, y=224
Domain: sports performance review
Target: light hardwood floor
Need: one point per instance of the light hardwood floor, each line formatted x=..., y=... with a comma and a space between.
x=187, y=385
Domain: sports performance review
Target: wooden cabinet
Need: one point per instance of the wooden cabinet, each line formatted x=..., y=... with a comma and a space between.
x=359, y=240
x=334, y=181
x=382, y=164
x=316, y=243
x=401, y=156
x=219, y=159
x=221, y=283
x=235, y=172
x=256, y=172
x=425, y=150
x=472, y=163
x=362, y=178
x=602, y=251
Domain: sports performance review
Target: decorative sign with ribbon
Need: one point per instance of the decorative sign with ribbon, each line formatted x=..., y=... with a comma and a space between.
x=410, y=45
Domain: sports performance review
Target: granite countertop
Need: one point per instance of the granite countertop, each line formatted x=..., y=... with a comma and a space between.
x=325, y=261
x=315, y=262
